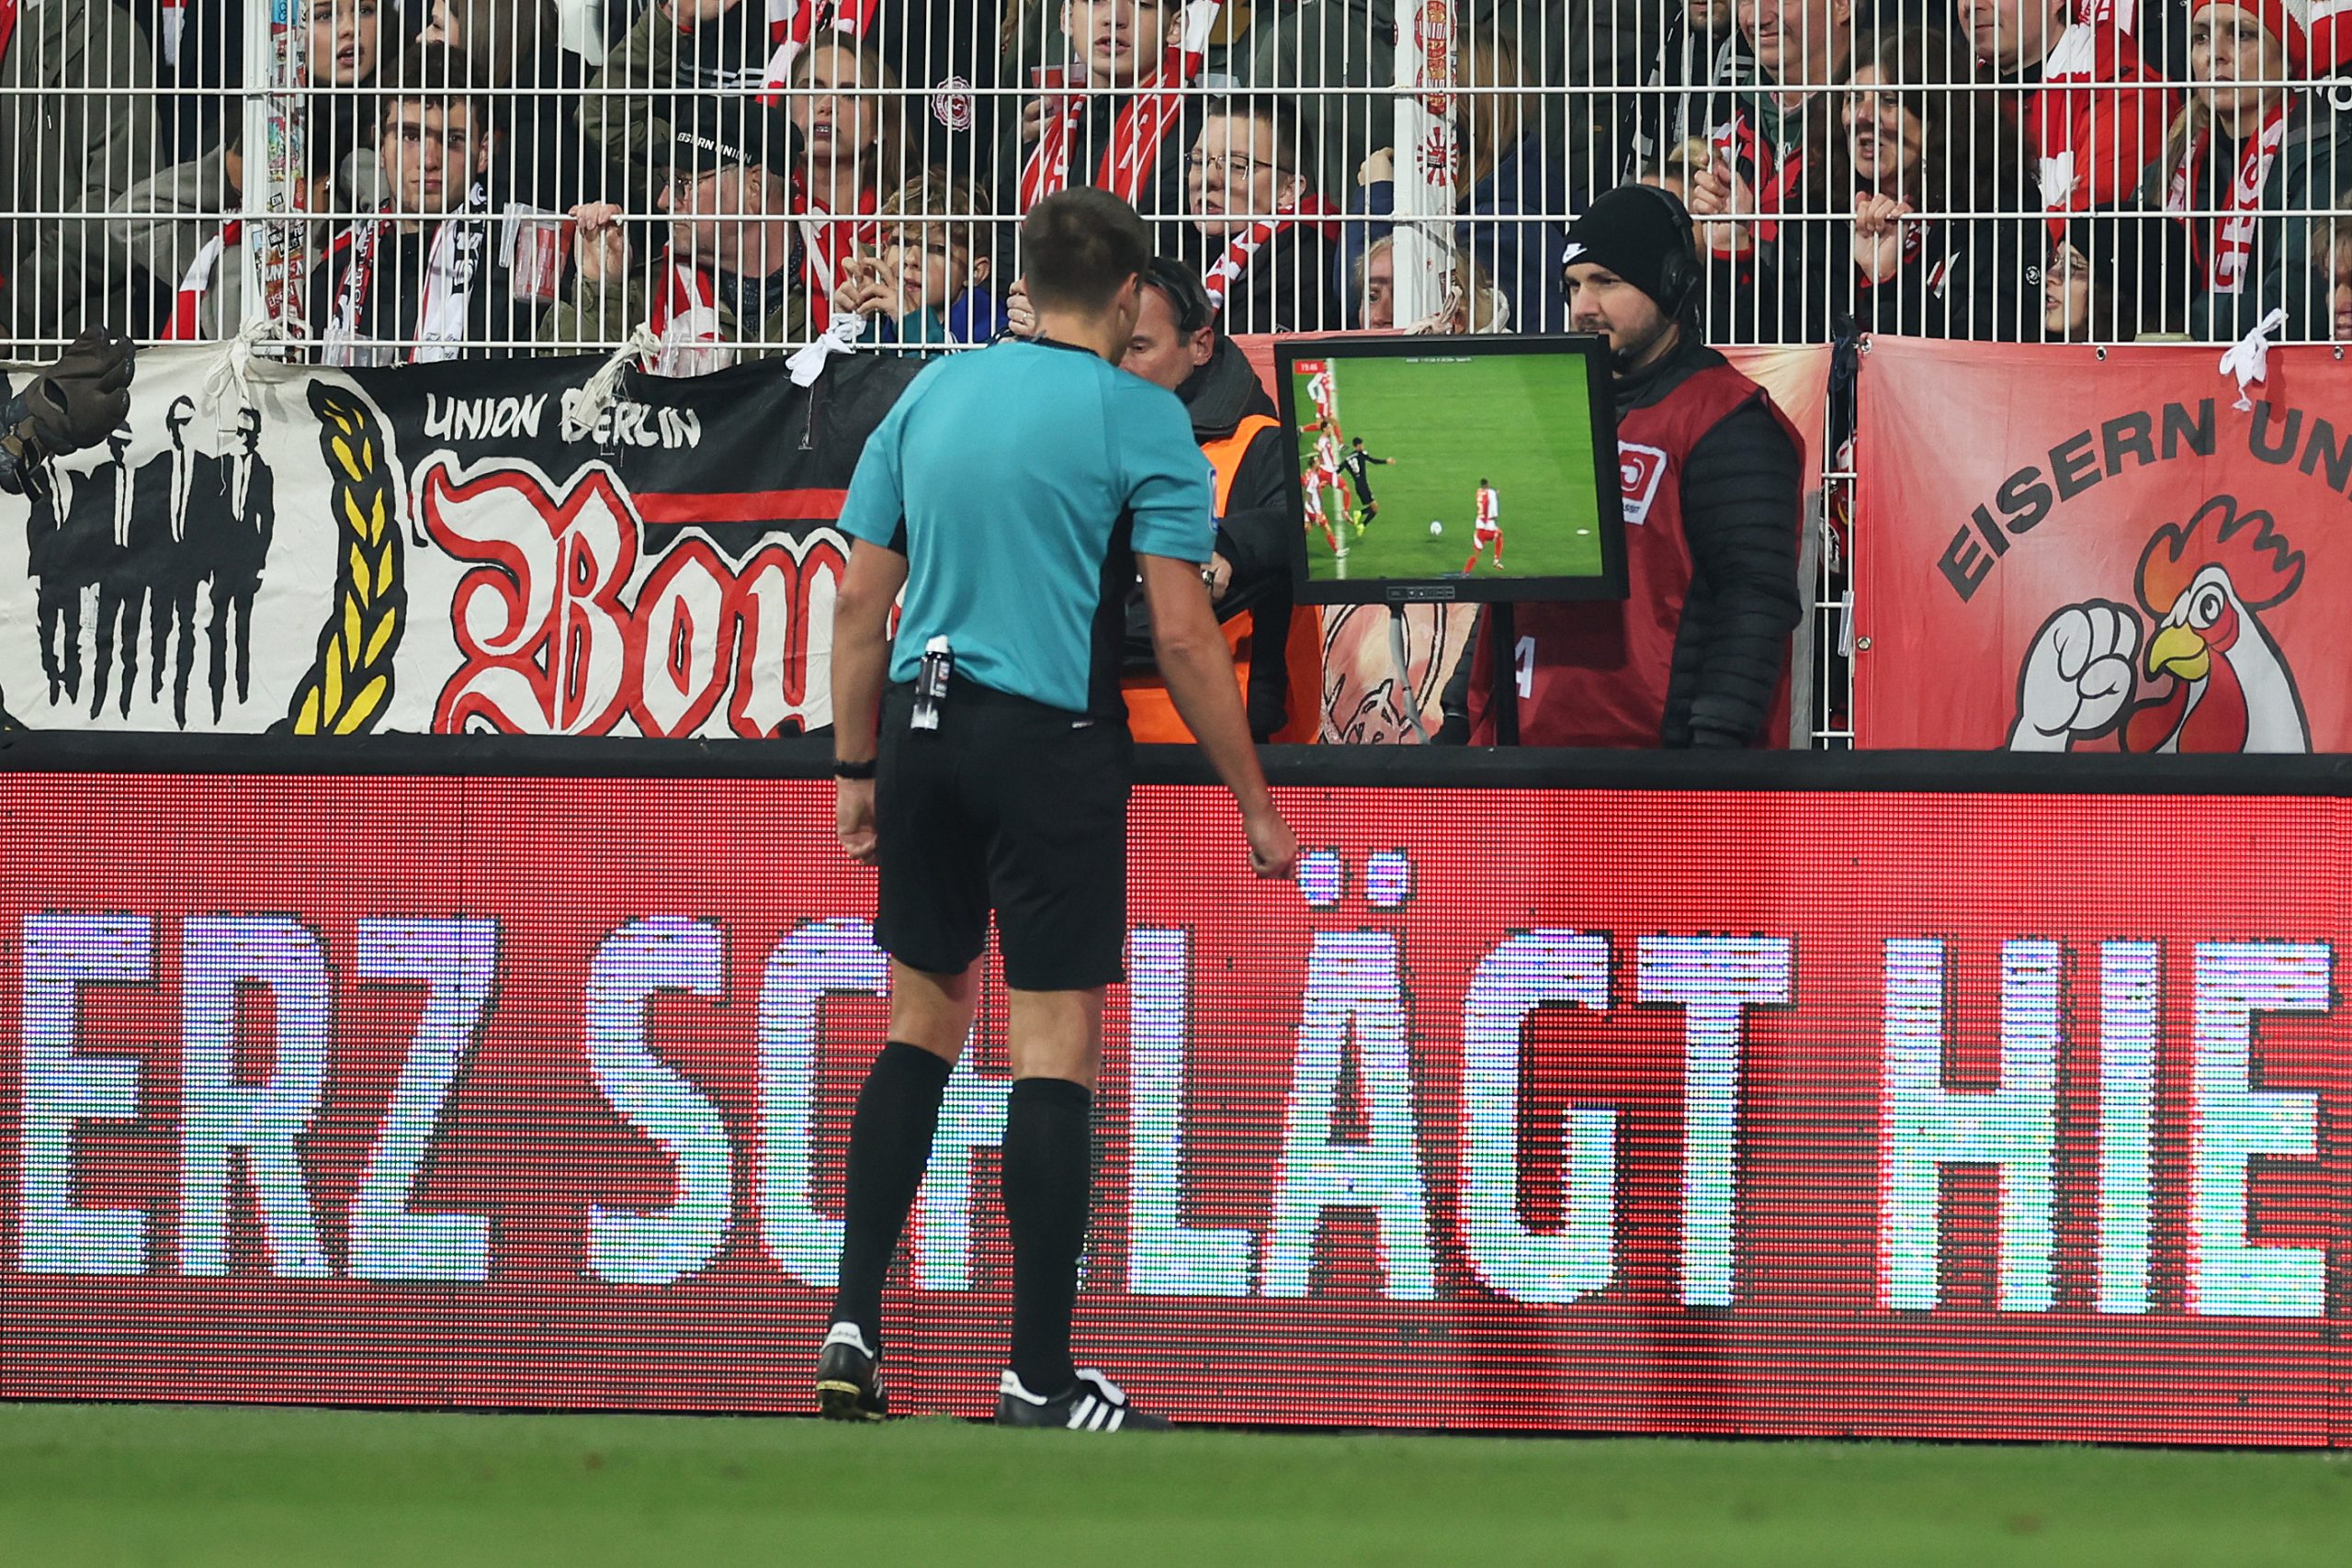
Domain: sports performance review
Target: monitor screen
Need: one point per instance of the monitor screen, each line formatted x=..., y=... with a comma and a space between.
x=1452, y=468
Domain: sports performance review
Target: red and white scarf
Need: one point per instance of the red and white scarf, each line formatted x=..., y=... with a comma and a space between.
x=1243, y=245
x=685, y=317
x=8, y=25
x=455, y=262
x=1133, y=152
x=793, y=23
x=830, y=240
x=2232, y=233
x=175, y=26
x=186, y=308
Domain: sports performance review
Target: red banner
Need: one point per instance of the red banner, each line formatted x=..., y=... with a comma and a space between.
x=2060, y=551
x=1597, y=1111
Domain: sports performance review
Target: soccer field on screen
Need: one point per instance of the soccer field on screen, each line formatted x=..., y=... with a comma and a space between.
x=1519, y=421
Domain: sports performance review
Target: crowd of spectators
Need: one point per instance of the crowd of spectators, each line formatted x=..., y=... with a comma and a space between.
x=502, y=175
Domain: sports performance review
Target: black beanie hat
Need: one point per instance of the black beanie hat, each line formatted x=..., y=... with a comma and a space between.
x=1633, y=230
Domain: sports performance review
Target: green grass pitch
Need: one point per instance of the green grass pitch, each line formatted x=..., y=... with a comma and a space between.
x=1518, y=422
x=93, y=1485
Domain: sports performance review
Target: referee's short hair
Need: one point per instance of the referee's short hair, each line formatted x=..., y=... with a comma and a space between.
x=1078, y=247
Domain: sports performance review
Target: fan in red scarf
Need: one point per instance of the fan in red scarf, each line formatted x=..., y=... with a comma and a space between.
x=2250, y=41
x=1117, y=36
x=1259, y=237
x=725, y=275
x=834, y=94
x=1927, y=257
x=2095, y=109
x=209, y=303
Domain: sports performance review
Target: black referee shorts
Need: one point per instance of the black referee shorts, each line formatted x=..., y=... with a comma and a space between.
x=1007, y=807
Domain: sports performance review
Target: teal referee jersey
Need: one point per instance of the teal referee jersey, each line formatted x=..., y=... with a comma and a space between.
x=1020, y=481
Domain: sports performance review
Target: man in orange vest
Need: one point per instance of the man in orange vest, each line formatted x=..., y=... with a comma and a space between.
x=1277, y=647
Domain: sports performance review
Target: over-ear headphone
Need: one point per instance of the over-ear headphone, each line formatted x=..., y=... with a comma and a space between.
x=1679, y=276
x=1190, y=301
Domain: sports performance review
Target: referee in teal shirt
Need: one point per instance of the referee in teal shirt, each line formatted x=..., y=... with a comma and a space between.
x=1016, y=493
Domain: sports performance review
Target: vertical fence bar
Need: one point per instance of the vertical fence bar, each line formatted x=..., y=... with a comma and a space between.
x=271, y=193
x=1425, y=154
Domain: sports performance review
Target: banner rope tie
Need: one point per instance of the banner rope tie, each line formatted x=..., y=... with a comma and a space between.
x=2249, y=361
x=839, y=336
x=229, y=384
x=603, y=388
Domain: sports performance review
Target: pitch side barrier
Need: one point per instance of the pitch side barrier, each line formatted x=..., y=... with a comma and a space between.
x=1874, y=1094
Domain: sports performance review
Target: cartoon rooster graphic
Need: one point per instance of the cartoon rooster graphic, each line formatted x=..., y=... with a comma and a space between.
x=2217, y=680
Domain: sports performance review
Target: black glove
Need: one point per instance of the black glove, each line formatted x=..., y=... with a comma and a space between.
x=76, y=401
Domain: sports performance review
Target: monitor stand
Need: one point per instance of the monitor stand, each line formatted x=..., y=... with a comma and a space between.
x=1502, y=638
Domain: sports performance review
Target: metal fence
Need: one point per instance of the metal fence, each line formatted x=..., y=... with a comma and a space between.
x=367, y=181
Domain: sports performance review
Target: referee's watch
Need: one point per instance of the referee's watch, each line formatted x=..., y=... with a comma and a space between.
x=854, y=769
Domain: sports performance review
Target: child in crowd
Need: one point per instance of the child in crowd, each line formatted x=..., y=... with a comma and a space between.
x=927, y=284
x=2329, y=309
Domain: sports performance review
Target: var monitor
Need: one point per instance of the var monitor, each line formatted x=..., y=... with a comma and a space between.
x=1431, y=468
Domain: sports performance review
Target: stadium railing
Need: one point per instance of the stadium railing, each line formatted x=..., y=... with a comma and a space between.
x=1776, y=118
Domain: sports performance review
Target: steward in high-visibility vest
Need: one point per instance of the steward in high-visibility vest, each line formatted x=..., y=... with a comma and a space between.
x=1277, y=647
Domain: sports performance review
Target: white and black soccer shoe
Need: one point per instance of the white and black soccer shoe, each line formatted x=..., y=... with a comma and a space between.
x=849, y=1378
x=1093, y=1404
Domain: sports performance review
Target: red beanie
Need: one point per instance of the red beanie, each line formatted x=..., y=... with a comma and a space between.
x=2330, y=27
x=2287, y=21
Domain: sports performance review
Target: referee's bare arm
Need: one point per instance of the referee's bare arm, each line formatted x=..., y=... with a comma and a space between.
x=1198, y=670
x=861, y=666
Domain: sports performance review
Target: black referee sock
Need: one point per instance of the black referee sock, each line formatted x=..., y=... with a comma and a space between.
x=889, y=1144
x=1048, y=1190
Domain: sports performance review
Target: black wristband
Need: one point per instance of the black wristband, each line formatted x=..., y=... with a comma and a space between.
x=854, y=769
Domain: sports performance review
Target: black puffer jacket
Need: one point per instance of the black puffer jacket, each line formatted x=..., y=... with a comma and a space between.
x=1742, y=490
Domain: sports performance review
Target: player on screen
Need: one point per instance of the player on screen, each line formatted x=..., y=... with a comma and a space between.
x=1311, y=482
x=1328, y=475
x=1489, y=526
x=1323, y=391
x=1357, y=463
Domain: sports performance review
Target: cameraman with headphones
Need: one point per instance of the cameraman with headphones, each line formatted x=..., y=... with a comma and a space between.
x=1698, y=652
